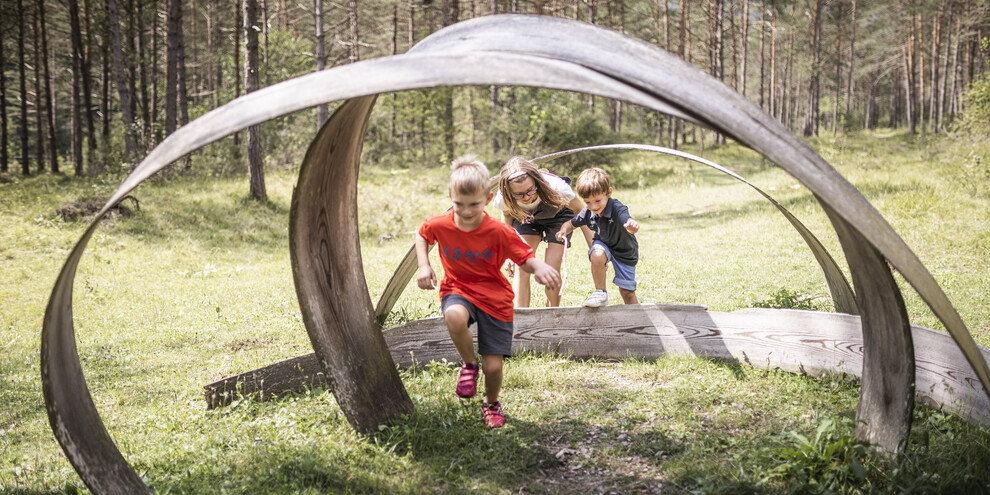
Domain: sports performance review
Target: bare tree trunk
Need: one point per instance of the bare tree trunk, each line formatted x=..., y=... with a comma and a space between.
x=838, y=67
x=193, y=75
x=218, y=44
x=38, y=115
x=147, y=123
x=450, y=10
x=493, y=90
x=716, y=47
x=87, y=81
x=352, y=17
x=744, y=47
x=49, y=96
x=256, y=165
x=763, y=54
x=811, y=115
x=154, y=70
x=322, y=111
x=852, y=60
x=945, y=63
x=129, y=65
x=174, y=41
x=123, y=88
x=105, y=63
x=25, y=168
x=4, y=156
x=774, y=107
x=936, y=47
x=238, y=27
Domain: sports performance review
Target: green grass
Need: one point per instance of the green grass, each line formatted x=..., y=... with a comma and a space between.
x=197, y=286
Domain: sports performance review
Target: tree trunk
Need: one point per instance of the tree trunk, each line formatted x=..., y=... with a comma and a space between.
x=838, y=67
x=238, y=27
x=154, y=70
x=123, y=88
x=4, y=157
x=811, y=115
x=87, y=80
x=25, y=168
x=450, y=9
x=322, y=111
x=39, y=144
x=772, y=97
x=352, y=19
x=129, y=65
x=852, y=59
x=933, y=84
x=945, y=63
x=174, y=40
x=744, y=47
x=716, y=21
x=77, y=75
x=493, y=90
x=256, y=165
x=763, y=54
x=49, y=96
x=142, y=60
x=105, y=63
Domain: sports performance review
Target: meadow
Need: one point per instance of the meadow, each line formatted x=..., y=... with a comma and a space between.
x=196, y=285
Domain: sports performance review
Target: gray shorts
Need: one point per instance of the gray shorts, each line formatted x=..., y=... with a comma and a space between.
x=494, y=335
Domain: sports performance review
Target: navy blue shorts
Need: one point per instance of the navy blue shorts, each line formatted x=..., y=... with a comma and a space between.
x=545, y=228
x=625, y=275
x=494, y=335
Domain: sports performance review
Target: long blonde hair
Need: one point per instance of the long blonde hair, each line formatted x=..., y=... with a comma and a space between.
x=468, y=175
x=516, y=170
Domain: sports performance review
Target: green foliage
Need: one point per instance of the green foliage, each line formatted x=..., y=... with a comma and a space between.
x=830, y=460
x=976, y=119
x=786, y=298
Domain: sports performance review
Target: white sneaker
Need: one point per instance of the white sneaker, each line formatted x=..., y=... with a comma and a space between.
x=597, y=299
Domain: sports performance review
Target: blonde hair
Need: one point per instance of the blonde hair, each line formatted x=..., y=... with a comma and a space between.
x=516, y=170
x=468, y=175
x=591, y=182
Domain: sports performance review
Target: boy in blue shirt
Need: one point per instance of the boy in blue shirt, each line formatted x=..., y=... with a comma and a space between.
x=614, y=240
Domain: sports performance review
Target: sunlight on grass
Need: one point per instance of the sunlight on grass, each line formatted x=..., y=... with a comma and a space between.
x=197, y=286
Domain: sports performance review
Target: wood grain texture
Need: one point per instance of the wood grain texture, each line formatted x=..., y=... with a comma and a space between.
x=325, y=249
x=808, y=342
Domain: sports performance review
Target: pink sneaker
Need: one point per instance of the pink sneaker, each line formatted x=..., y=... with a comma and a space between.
x=467, y=384
x=492, y=412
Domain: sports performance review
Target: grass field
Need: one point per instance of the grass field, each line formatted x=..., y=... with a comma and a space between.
x=197, y=285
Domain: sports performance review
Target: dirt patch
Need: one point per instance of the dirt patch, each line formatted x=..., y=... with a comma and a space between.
x=240, y=345
x=85, y=208
x=591, y=466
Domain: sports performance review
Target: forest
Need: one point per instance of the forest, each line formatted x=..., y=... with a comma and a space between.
x=89, y=87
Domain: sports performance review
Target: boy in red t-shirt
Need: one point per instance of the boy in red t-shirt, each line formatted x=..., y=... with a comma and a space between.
x=473, y=247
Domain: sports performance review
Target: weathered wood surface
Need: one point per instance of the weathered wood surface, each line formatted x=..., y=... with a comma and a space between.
x=807, y=342
x=325, y=250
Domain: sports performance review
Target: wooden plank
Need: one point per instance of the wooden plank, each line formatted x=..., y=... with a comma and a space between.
x=809, y=342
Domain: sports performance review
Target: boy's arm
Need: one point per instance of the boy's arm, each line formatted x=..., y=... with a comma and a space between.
x=425, y=279
x=631, y=225
x=542, y=272
x=576, y=205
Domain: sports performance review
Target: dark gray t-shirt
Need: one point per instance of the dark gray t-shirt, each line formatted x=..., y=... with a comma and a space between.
x=609, y=229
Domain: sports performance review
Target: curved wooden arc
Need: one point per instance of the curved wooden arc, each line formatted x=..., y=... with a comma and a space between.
x=497, y=50
x=325, y=249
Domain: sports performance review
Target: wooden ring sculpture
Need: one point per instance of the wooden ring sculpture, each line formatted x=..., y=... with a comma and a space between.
x=500, y=50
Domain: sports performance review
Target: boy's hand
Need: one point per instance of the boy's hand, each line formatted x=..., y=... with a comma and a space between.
x=426, y=279
x=631, y=226
x=545, y=274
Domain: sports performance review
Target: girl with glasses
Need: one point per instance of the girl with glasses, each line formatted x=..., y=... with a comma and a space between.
x=536, y=203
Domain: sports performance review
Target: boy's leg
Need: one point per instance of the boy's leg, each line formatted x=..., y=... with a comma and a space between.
x=599, y=267
x=457, y=317
x=554, y=256
x=520, y=283
x=491, y=366
x=628, y=296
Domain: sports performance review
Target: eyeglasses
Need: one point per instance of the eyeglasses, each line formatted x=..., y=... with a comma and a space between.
x=526, y=194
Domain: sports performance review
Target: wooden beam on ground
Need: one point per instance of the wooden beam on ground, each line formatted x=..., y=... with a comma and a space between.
x=809, y=342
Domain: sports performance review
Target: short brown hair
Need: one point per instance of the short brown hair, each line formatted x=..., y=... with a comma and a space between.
x=591, y=182
x=468, y=175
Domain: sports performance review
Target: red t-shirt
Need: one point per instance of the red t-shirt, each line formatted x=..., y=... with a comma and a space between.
x=472, y=261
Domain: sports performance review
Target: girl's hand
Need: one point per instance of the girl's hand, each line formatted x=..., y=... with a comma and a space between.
x=510, y=268
x=632, y=226
x=426, y=279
